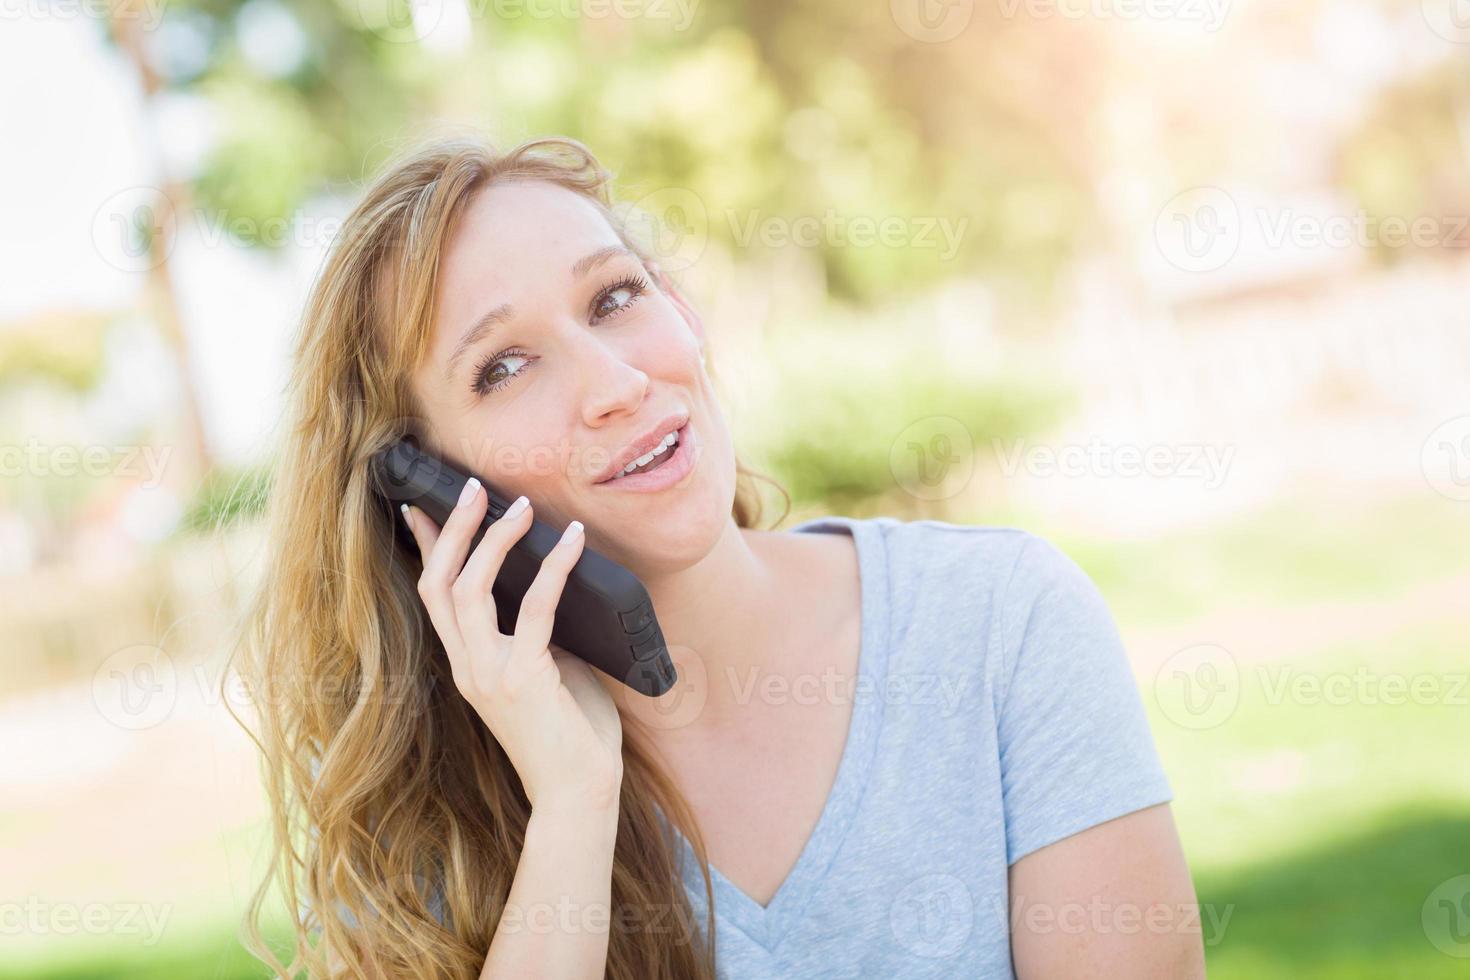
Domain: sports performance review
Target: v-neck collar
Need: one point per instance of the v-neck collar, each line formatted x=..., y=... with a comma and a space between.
x=767, y=924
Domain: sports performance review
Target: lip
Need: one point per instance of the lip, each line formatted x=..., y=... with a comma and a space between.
x=644, y=444
x=671, y=473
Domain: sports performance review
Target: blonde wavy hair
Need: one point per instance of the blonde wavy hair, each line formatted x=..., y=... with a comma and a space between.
x=388, y=794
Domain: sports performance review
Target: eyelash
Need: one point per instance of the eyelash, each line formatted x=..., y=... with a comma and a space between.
x=636, y=284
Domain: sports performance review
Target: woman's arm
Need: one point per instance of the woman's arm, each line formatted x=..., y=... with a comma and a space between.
x=1115, y=900
x=557, y=915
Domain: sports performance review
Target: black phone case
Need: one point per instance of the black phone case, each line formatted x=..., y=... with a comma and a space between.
x=605, y=615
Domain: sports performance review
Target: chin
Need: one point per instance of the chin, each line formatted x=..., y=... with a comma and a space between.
x=671, y=534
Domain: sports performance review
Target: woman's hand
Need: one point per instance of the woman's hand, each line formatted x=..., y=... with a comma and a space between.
x=555, y=721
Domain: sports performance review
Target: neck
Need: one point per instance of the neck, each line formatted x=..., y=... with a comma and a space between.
x=729, y=620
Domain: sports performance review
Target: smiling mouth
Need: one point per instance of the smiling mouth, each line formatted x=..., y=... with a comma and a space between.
x=664, y=455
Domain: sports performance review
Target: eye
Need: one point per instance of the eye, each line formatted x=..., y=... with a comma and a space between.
x=618, y=296
x=488, y=375
x=613, y=299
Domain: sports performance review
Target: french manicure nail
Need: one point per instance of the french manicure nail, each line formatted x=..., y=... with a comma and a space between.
x=468, y=492
x=404, y=509
x=573, y=529
x=515, y=508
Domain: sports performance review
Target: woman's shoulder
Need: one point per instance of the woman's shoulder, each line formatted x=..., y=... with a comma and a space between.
x=964, y=579
x=941, y=550
x=1019, y=572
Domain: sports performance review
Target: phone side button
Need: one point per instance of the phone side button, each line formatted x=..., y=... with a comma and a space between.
x=637, y=620
x=648, y=648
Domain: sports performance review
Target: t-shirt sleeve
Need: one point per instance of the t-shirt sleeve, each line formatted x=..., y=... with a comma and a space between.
x=1074, y=741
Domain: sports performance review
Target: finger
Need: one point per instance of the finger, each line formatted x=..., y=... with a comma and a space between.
x=441, y=610
x=447, y=556
x=538, y=608
x=425, y=532
x=479, y=619
x=479, y=573
x=449, y=552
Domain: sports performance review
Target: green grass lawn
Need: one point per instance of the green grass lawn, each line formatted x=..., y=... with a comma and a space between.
x=1293, y=552
x=1347, y=907
x=1323, y=827
x=210, y=956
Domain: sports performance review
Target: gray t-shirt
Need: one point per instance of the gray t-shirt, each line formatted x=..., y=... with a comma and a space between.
x=994, y=712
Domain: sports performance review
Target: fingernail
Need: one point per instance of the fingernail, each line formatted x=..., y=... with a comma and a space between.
x=406, y=521
x=573, y=529
x=516, y=507
x=468, y=492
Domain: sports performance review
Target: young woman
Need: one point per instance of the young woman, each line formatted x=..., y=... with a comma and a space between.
x=895, y=748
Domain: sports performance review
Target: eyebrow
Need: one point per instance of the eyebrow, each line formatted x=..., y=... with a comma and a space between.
x=485, y=325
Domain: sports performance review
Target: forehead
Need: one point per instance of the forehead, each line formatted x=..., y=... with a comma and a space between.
x=520, y=223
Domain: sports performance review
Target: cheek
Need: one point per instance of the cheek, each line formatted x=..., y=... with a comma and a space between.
x=524, y=458
x=667, y=352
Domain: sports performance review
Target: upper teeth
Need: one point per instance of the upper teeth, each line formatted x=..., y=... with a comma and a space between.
x=669, y=440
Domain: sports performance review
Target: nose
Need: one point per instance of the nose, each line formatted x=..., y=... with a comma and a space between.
x=610, y=384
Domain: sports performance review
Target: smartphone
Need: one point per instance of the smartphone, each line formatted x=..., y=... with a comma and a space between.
x=605, y=615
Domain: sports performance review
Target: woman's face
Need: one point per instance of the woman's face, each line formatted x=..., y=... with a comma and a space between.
x=581, y=354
